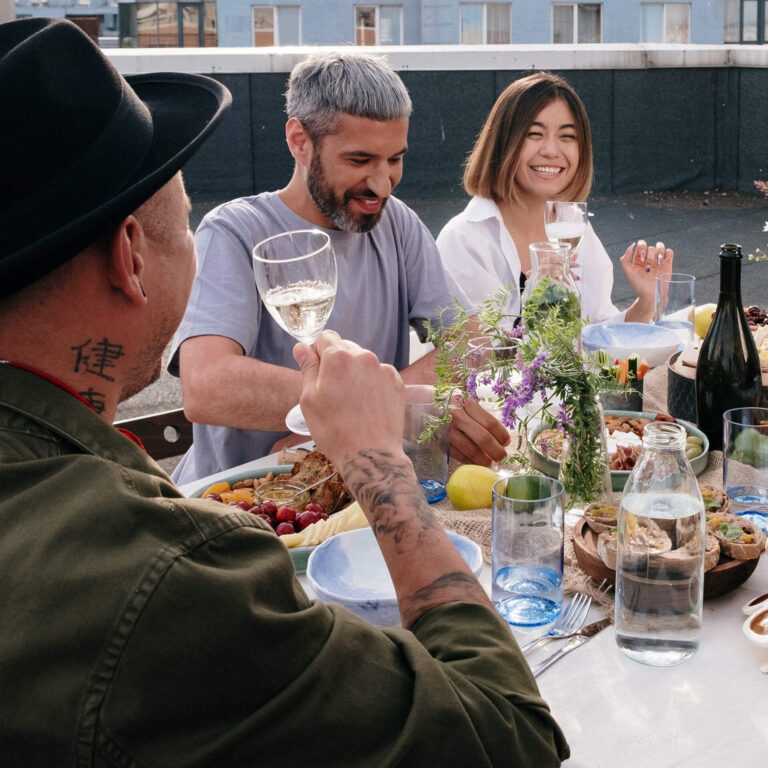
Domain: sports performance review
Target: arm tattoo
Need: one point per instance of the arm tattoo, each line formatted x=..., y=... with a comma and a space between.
x=386, y=486
x=450, y=587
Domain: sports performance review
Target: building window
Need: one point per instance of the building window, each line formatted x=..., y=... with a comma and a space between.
x=276, y=25
x=753, y=22
x=168, y=25
x=484, y=24
x=665, y=22
x=378, y=25
x=576, y=23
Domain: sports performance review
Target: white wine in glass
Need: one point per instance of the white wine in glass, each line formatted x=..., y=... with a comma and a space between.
x=565, y=222
x=296, y=277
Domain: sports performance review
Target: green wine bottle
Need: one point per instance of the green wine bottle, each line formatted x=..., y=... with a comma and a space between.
x=728, y=369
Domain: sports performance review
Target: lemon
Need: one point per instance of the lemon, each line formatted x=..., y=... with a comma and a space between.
x=703, y=318
x=469, y=487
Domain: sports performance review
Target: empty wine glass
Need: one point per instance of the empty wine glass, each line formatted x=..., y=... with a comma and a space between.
x=565, y=222
x=296, y=277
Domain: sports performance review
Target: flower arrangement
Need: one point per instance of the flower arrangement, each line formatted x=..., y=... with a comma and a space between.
x=544, y=379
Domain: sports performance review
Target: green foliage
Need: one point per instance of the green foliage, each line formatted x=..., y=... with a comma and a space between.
x=545, y=377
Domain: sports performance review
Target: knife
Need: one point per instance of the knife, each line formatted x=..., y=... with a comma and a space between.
x=575, y=641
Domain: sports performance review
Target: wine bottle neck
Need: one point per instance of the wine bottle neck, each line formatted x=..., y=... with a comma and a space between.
x=730, y=278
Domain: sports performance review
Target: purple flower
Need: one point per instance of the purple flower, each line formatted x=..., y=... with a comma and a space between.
x=564, y=419
x=472, y=384
x=508, y=416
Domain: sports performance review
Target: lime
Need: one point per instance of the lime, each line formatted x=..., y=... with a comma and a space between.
x=469, y=487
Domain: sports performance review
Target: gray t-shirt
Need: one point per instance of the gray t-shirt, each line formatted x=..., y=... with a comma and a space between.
x=388, y=280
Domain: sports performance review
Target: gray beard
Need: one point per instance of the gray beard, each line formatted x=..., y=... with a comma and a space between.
x=332, y=208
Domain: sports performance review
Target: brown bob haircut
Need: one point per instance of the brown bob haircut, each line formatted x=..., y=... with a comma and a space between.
x=491, y=166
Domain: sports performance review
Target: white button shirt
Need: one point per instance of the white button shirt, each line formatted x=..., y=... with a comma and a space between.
x=478, y=251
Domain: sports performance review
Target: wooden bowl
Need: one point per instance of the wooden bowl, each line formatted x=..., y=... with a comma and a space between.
x=724, y=577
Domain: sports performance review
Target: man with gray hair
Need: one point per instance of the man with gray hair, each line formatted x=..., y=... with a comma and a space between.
x=347, y=130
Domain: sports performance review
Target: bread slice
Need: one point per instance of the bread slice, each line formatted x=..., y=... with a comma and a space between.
x=601, y=517
x=739, y=539
x=711, y=552
x=715, y=499
x=644, y=540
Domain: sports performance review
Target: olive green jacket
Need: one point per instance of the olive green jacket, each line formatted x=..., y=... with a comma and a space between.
x=140, y=628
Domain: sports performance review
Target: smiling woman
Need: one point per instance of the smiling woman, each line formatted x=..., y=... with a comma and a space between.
x=536, y=146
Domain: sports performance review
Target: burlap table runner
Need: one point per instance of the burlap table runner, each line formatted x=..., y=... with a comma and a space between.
x=475, y=524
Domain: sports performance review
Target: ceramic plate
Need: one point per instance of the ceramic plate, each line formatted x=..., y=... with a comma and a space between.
x=299, y=555
x=653, y=343
x=619, y=477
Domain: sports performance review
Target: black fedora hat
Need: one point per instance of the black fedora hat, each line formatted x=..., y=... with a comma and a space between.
x=81, y=147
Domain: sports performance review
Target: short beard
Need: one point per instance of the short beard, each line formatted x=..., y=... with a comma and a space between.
x=329, y=205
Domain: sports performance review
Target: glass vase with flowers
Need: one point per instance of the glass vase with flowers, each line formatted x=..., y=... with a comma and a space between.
x=545, y=381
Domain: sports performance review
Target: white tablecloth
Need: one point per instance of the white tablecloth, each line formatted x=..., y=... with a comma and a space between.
x=617, y=713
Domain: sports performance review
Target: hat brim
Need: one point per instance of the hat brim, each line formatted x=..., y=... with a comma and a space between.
x=185, y=109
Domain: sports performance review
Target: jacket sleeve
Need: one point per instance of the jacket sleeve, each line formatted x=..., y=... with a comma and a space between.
x=229, y=663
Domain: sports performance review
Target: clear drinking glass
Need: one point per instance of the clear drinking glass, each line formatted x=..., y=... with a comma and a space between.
x=527, y=549
x=745, y=460
x=675, y=304
x=565, y=222
x=430, y=458
x=660, y=542
x=492, y=358
x=296, y=277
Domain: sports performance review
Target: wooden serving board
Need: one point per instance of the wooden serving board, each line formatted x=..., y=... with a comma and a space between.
x=724, y=577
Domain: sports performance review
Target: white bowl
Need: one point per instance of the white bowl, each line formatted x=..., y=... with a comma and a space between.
x=349, y=569
x=653, y=343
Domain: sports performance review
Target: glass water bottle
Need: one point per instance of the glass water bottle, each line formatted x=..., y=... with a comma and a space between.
x=660, y=541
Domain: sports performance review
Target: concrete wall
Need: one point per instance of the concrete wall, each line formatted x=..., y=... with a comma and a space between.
x=663, y=117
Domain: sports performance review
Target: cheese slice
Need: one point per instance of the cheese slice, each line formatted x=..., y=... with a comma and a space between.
x=347, y=519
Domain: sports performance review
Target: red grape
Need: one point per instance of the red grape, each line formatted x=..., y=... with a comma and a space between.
x=312, y=507
x=285, y=515
x=284, y=528
x=307, y=517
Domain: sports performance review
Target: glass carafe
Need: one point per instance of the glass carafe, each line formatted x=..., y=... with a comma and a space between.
x=660, y=543
x=550, y=283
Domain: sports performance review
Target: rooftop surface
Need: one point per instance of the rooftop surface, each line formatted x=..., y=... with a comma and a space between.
x=693, y=223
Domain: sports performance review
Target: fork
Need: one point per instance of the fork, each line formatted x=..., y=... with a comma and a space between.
x=570, y=621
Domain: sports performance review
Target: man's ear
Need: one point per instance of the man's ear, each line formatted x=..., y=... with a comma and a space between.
x=125, y=261
x=298, y=141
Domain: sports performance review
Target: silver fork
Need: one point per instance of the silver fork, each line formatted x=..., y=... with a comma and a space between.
x=569, y=621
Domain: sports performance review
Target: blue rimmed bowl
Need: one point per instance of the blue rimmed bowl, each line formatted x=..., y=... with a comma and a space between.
x=349, y=569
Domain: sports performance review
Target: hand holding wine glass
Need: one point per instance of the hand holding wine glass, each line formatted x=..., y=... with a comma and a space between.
x=296, y=277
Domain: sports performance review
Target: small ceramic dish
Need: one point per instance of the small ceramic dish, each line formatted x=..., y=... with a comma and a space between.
x=759, y=603
x=349, y=569
x=756, y=627
x=653, y=343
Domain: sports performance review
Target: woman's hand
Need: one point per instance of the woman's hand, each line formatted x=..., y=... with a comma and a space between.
x=641, y=264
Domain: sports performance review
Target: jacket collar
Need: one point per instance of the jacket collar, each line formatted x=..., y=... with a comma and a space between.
x=47, y=405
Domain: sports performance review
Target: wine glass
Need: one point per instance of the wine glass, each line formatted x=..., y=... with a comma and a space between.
x=565, y=222
x=296, y=276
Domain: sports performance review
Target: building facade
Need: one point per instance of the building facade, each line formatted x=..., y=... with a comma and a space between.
x=245, y=23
